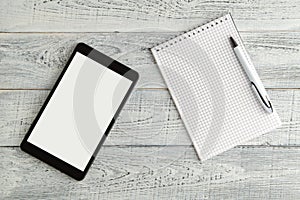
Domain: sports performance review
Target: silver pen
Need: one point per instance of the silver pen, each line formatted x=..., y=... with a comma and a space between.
x=256, y=83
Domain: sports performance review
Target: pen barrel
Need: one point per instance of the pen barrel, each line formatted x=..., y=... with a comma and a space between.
x=256, y=83
x=247, y=65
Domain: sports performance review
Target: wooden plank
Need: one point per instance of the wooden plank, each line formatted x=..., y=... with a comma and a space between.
x=140, y=16
x=35, y=60
x=153, y=173
x=149, y=118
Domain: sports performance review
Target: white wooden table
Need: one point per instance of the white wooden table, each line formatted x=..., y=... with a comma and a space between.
x=148, y=155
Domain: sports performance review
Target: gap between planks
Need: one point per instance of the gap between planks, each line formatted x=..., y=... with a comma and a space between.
x=129, y=32
x=48, y=89
x=150, y=146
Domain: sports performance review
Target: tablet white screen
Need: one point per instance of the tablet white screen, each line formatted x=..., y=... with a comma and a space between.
x=79, y=112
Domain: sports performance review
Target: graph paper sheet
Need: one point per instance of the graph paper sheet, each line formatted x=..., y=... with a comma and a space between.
x=210, y=89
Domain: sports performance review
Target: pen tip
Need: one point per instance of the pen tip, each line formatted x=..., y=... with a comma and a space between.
x=232, y=42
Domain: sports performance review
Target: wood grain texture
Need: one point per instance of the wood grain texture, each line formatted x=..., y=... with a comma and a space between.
x=149, y=118
x=142, y=16
x=35, y=60
x=148, y=154
x=151, y=173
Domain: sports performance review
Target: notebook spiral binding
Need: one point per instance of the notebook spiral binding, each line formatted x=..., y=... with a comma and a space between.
x=190, y=33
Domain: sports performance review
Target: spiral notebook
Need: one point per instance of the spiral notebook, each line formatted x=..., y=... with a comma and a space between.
x=210, y=89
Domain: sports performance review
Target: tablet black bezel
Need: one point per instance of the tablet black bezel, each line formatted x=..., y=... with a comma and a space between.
x=49, y=158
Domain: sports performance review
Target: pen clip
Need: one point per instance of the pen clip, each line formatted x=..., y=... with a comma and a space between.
x=264, y=99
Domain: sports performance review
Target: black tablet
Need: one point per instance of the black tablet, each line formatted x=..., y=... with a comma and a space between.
x=79, y=111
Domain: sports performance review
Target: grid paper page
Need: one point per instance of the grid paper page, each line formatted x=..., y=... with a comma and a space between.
x=210, y=89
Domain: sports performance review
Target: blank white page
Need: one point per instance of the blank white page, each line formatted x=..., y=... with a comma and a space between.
x=211, y=90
